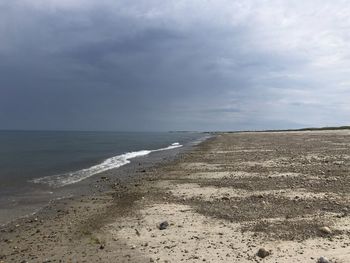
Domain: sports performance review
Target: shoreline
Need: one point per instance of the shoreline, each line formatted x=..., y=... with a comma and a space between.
x=106, y=186
x=222, y=200
x=45, y=195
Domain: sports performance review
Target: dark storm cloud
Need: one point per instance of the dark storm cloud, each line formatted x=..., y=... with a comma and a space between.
x=155, y=65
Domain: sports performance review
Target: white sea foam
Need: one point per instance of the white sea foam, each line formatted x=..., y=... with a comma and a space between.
x=110, y=163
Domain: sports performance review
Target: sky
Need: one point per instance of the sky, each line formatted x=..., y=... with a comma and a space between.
x=155, y=65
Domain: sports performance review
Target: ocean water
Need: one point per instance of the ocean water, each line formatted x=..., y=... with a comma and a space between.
x=35, y=164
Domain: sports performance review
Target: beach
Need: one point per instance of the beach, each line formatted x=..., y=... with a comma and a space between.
x=236, y=197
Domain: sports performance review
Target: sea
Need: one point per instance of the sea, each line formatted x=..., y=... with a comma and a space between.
x=37, y=167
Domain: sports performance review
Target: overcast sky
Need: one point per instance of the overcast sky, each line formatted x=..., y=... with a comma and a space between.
x=174, y=65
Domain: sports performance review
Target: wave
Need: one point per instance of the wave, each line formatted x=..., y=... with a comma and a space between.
x=110, y=163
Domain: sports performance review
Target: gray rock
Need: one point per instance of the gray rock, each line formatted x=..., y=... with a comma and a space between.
x=323, y=260
x=263, y=253
x=163, y=225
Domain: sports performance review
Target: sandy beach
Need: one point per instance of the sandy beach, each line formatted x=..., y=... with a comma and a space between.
x=237, y=197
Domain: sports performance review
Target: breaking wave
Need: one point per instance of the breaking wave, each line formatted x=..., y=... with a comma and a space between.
x=110, y=163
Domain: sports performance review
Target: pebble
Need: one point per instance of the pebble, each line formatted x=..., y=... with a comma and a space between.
x=323, y=260
x=163, y=225
x=263, y=253
x=325, y=230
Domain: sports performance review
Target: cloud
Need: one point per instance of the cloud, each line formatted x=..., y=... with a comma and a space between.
x=176, y=64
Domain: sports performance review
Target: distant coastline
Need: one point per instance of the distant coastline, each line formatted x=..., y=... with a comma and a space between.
x=331, y=128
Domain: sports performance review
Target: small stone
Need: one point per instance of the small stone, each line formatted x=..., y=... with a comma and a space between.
x=163, y=225
x=102, y=246
x=263, y=253
x=338, y=162
x=323, y=260
x=325, y=230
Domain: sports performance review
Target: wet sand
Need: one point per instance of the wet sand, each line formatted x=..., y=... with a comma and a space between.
x=286, y=192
